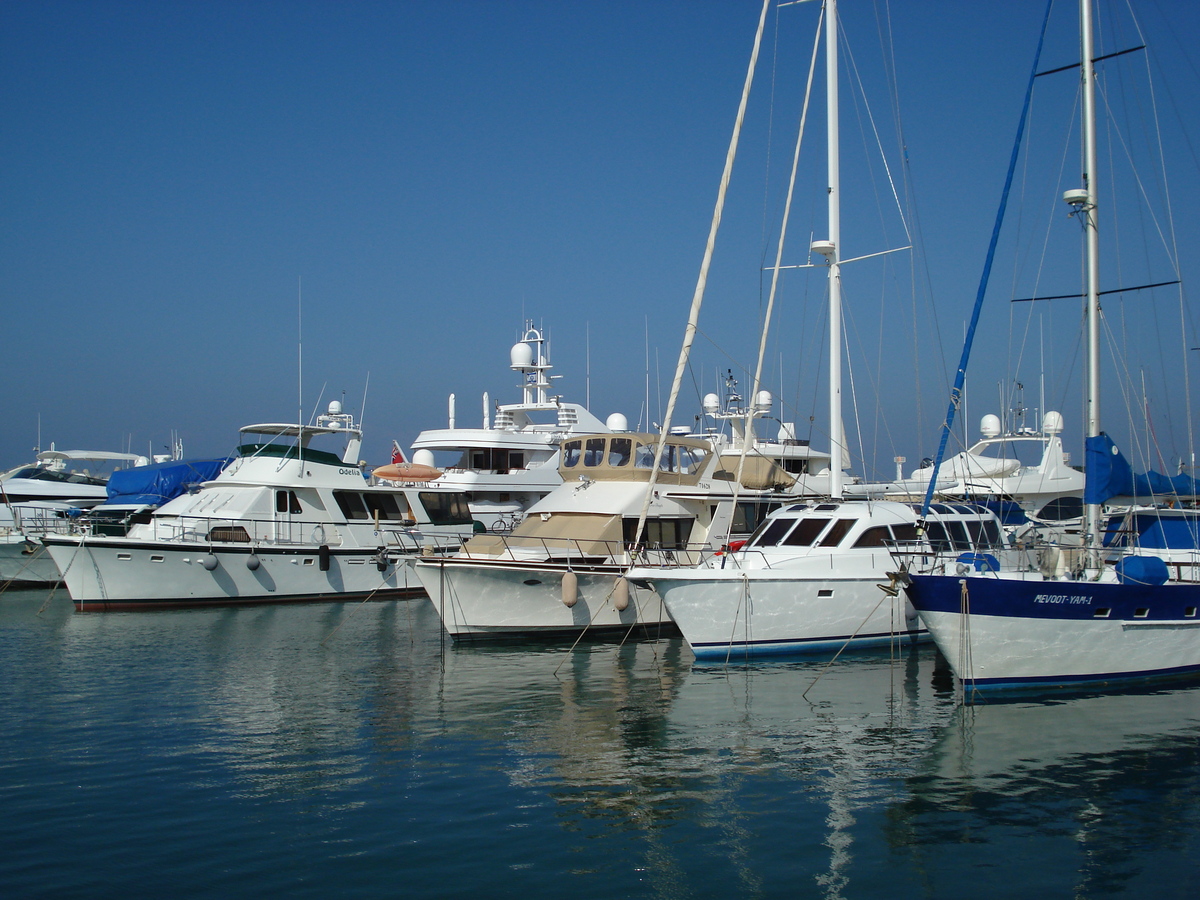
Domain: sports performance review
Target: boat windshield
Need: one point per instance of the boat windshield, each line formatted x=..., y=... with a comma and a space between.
x=40, y=473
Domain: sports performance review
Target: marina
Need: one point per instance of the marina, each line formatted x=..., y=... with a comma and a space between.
x=624, y=626
x=346, y=749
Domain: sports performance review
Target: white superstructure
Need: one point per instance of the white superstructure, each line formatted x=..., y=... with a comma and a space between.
x=508, y=463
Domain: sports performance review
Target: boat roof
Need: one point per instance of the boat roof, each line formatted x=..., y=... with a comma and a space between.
x=294, y=430
x=46, y=455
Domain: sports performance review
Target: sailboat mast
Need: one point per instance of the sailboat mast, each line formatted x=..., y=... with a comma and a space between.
x=835, y=239
x=1092, y=236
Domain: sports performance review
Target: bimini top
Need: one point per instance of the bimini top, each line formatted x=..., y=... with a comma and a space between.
x=304, y=431
x=630, y=457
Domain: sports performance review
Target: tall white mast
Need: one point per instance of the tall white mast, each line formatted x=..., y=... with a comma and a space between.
x=1092, y=234
x=831, y=249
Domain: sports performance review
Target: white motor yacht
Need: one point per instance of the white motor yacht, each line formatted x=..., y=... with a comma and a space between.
x=508, y=464
x=818, y=576
x=284, y=521
x=562, y=570
x=43, y=497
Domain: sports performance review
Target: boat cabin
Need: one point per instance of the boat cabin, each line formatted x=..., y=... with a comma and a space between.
x=630, y=457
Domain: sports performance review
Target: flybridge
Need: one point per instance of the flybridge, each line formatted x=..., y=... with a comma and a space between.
x=333, y=422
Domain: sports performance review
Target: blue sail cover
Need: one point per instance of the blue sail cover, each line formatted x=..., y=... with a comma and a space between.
x=1108, y=475
x=155, y=485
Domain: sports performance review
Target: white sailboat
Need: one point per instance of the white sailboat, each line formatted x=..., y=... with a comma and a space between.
x=1089, y=616
x=810, y=578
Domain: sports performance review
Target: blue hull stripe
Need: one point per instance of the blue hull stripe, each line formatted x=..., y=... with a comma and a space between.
x=802, y=645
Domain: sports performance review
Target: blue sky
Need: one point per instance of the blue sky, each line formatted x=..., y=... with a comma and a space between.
x=429, y=174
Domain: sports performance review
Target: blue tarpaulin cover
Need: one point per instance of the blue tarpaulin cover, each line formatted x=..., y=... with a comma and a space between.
x=158, y=483
x=1110, y=475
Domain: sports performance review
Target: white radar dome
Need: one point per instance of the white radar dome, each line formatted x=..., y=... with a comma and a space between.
x=712, y=403
x=989, y=426
x=1052, y=422
x=617, y=422
x=423, y=458
x=335, y=407
x=521, y=356
x=763, y=401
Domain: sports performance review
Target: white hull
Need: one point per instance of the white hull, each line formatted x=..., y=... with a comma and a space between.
x=732, y=613
x=20, y=567
x=1028, y=632
x=120, y=574
x=505, y=599
x=1006, y=651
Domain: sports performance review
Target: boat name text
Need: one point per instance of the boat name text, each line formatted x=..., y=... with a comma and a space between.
x=1060, y=598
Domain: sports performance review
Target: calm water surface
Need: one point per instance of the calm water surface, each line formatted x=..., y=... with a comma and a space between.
x=332, y=750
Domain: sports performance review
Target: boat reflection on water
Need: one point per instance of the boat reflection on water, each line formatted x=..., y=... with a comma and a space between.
x=1107, y=785
x=635, y=740
x=333, y=747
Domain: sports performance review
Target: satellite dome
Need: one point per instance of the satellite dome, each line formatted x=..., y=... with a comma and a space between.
x=335, y=407
x=712, y=403
x=423, y=458
x=763, y=401
x=521, y=356
x=1052, y=422
x=989, y=425
x=617, y=422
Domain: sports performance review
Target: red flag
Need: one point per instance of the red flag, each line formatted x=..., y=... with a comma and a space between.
x=397, y=454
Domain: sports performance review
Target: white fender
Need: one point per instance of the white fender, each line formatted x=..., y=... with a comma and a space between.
x=570, y=589
x=621, y=595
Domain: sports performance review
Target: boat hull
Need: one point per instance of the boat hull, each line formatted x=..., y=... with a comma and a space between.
x=25, y=563
x=480, y=599
x=114, y=575
x=1029, y=634
x=727, y=613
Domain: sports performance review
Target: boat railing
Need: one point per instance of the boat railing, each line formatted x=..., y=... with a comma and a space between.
x=33, y=522
x=210, y=530
x=580, y=551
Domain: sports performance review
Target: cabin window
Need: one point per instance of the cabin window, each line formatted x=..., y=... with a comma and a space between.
x=975, y=534
x=958, y=536
x=906, y=532
x=660, y=534
x=571, y=451
x=691, y=459
x=516, y=460
x=879, y=536
x=619, y=451
x=644, y=457
x=232, y=533
x=748, y=516
x=1061, y=509
x=593, y=452
x=387, y=506
x=836, y=532
x=351, y=504
x=287, y=502
x=938, y=539
x=805, y=533
x=447, y=507
x=770, y=532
